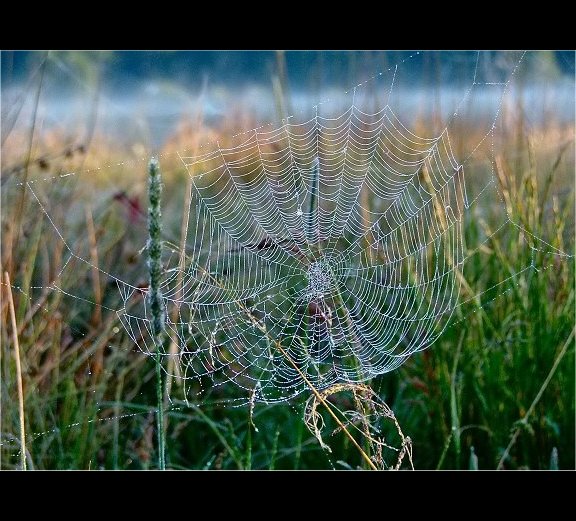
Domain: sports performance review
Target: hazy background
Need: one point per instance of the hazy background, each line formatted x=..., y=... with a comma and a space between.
x=78, y=129
x=143, y=95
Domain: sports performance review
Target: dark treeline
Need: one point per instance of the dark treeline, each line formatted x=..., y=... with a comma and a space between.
x=303, y=68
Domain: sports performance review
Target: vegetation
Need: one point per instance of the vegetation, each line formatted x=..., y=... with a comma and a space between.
x=495, y=391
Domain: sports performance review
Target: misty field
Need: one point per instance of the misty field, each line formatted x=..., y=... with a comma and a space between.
x=490, y=385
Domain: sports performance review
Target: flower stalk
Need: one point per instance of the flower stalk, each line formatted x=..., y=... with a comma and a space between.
x=155, y=300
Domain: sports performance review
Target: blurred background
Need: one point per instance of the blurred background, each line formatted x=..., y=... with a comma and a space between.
x=145, y=95
x=497, y=389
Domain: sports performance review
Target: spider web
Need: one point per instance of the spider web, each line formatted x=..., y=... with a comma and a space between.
x=290, y=280
x=319, y=251
x=323, y=249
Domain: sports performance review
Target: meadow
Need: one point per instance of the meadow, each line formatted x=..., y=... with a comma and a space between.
x=496, y=390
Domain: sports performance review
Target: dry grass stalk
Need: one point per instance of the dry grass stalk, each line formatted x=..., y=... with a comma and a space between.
x=368, y=409
x=18, y=371
x=524, y=420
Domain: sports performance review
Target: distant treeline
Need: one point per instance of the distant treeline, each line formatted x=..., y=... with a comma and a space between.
x=303, y=68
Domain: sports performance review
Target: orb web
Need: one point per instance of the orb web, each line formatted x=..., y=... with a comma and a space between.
x=318, y=253
x=322, y=251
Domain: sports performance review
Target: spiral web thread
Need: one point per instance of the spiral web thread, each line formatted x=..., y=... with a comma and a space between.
x=328, y=248
x=319, y=251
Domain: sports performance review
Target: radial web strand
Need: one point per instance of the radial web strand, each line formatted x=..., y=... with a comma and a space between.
x=317, y=253
x=319, y=250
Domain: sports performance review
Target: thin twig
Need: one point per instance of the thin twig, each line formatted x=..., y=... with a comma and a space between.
x=14, y=232
x=18, y=372
x=530, y=410
x=454, y=401
x=314, y=213
x=97, y=314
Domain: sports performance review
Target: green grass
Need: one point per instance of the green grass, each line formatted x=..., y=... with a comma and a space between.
x=89, y=396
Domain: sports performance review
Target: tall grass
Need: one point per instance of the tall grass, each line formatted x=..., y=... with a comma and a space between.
x=157, y=308
x=498, y=386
